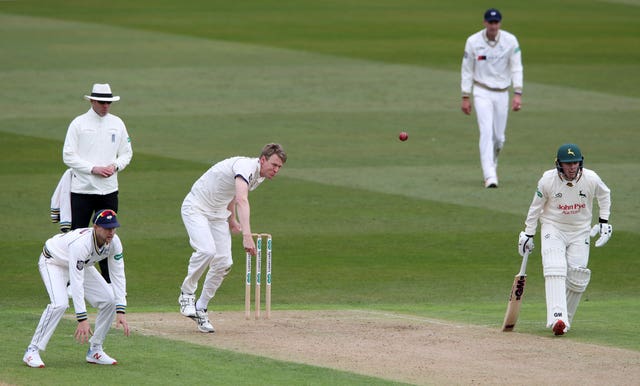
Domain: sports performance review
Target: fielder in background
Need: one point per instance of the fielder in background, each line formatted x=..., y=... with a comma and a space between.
x=97, y=147
x=70, y=257
x=563, y=204
x=217, y=205
x=491, y=63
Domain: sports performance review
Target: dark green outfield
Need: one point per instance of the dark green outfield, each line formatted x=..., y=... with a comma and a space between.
x=582, y=44
x=360, y=220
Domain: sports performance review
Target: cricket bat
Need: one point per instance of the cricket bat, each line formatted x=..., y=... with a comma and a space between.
x=515, y=297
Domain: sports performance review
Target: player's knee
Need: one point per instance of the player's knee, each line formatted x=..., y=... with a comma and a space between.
x=56, y=311
x=58, y=308
x=207, y=253
x=554, y=262
x=107, y=305
x=555, y=271
x=107, y=299
x=223, y=269
x=578, y=279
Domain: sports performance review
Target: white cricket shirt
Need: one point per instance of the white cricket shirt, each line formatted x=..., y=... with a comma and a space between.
x=77, y=250
x=496, y=65
x=568, y=205
x=216, y=188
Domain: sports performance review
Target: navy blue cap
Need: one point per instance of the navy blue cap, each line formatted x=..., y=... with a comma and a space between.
x=492, y=14
x=106, y=218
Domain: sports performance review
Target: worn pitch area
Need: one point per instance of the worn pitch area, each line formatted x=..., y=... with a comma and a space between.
x=404, y=348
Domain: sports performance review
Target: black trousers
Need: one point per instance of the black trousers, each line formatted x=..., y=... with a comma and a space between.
x=83, y=208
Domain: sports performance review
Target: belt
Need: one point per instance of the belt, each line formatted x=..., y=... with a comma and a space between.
x=484, y=86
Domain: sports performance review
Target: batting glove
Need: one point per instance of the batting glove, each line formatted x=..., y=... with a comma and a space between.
x=525, y=243
x=604, y=230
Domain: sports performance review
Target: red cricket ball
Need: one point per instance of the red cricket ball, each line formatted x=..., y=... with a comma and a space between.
x=403, y=136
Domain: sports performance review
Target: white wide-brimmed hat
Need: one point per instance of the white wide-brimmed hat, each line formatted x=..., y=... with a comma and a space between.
x=102, y=92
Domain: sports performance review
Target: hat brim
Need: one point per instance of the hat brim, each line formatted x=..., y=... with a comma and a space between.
x=101, y=99
x=109, y=226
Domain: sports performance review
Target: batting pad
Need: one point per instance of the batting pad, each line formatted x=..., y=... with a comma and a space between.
x=577, y=281
x=555, y=287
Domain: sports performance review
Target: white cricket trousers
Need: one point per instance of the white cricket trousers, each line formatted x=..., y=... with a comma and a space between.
x=96, y=291
x=492, y=109
x=211, y=243
x=561, y=250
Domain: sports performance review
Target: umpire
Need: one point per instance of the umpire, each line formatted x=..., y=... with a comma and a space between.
x=97, y=147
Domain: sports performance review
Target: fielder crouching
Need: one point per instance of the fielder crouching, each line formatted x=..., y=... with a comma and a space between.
x=563, y=204
x=70, y=257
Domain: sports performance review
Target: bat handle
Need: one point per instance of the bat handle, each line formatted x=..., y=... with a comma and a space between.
x=523, y=266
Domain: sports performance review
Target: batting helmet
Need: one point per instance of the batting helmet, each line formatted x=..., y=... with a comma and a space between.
x=569, y=152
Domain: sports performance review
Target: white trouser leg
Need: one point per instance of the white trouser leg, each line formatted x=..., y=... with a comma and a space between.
x=100, y=295
x=203, y=244
x=220, y=264
x=500, y=115
x=55, y=281
x=491, y=112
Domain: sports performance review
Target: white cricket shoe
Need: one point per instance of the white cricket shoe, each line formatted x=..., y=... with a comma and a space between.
x=187, y=305
x=99, y=357
x=202, y=320
x=32, y=358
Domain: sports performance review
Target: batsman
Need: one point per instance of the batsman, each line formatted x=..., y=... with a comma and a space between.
x=563, y=203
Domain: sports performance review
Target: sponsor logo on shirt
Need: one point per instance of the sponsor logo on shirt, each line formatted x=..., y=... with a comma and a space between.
x=571, y=208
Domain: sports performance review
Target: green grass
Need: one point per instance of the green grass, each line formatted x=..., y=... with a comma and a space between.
x=360, y=220
x=559, y=47
x=155, y=361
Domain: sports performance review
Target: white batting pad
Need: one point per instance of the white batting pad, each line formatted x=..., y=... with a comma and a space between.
x=555, y=289
x=577, y=281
